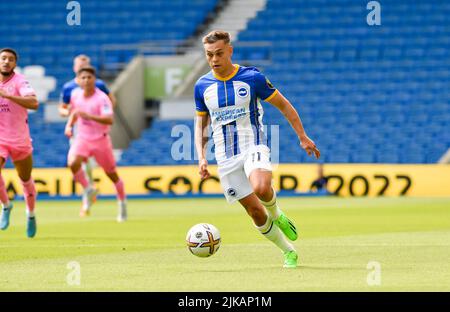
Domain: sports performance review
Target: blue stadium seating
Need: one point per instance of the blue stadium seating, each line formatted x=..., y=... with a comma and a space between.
x=365, y=93
x=40, y=34
x=391, y=78
x=42, y=37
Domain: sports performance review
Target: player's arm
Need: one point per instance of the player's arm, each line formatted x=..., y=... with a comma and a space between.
x=63, y=109
x=104, y=120
x=104, y=88
x=201, y=138
x=290, y=113
x=64, y=103
x=113, y=99
x=106, y=116
x=69, y=125
x=28, y=102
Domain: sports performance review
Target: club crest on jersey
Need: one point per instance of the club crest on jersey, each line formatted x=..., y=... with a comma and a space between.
x=231, y=192
x=242, y=92
x=106, y=109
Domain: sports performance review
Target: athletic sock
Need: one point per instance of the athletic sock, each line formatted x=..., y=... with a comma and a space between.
x=272, y=207
x=80, y=177
x=88, y=169
x=120, y=190
x=273, y=233
x=29, y=192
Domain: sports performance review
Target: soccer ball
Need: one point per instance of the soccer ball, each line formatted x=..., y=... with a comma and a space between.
x=203, y=240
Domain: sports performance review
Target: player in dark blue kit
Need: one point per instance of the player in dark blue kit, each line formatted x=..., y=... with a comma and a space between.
x=79, y=62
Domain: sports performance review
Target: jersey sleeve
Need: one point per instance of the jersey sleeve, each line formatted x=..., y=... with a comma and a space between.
x=106, y=109
x=65, y=95
x=200, y=106
x=25, y=89
x=71, y=102
x=102, y=86
x=263, y=87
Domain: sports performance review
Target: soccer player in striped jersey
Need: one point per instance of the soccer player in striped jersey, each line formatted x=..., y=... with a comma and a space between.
x=228, y=97
x=79, y=62
x=16, y=97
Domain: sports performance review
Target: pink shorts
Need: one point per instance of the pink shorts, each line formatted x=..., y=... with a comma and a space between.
x=15, y=152
x=100, y=149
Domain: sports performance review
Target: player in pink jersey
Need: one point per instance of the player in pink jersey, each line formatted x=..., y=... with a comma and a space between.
x=91, y=110
x=66, y=93
x=16, y=97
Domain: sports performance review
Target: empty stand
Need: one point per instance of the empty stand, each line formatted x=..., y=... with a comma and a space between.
x=366, y=94
x=41, y=36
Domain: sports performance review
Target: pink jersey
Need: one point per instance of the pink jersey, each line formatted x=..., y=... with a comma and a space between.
x=13, y=117
x=97, y=104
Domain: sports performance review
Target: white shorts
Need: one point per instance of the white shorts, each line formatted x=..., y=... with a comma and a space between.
x=234, y=173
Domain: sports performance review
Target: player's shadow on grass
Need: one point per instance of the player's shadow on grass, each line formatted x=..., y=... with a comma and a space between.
x=278, y=268
x=329, y=267
x=244, y=269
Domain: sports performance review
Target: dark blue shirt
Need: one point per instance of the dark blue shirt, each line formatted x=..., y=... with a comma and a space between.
x=72, y=85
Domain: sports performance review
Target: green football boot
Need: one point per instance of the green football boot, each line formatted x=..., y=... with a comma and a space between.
x=290, y=259
x=287, y=227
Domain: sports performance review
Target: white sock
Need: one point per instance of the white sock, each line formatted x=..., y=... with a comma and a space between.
x=86, y=192
x=88, y=170
x=89, y=189
x=30, y=214
x=272, y=206
x=273, y=233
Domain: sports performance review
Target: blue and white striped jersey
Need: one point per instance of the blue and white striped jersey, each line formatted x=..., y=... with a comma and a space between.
x=233, y=105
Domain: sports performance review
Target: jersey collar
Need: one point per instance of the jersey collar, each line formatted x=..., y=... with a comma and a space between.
x=236, y=69
x=9, y=78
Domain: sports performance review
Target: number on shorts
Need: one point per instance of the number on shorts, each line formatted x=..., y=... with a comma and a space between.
x=259, y=156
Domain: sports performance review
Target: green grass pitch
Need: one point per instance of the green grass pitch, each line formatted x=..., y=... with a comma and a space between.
x=409, y=238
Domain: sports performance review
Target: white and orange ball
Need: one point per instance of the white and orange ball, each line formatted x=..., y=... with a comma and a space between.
x=203, y=240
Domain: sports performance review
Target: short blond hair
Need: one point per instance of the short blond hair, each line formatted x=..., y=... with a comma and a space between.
x=217, y=35
x=82, y=57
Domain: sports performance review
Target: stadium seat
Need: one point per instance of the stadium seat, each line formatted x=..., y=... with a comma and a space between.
x=41, y=39
x=385, y=85
x=365, y=94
